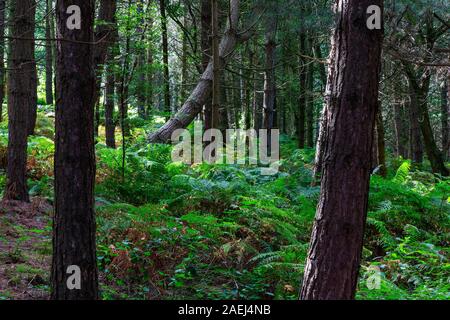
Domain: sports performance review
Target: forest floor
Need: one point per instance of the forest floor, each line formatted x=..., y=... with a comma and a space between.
x=169, y=231
x=25, y=249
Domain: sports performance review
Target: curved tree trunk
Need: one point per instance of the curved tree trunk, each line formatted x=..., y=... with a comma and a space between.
x=198, y=98
x=336, y=245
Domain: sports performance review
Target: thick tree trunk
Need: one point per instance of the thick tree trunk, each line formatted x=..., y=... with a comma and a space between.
x=74, y=220
x=336, y=245
x=48, y=54
x=194, y=104
x=21, y=95
x=165, y=49
x=2, y=55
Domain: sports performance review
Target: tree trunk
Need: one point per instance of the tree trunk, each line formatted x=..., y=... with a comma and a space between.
x=381, y=142
x=48, y=54
x=140, y=86
x=104, y=38
x=2, y=55
x=310, y=99
x=165, y=48
x=445, y=111
x=301, y=134
x=419, y=104
x=400, y=128
x=110, y=126
x=74, y=220
x=22, y=70
x=205, y=42
x=415, y=138
x=215, y=110
x=269, y=119
x=336, y=245
x=32, y=109
x=194, y=104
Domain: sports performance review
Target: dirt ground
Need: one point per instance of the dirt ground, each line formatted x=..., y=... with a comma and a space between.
x=25, y=250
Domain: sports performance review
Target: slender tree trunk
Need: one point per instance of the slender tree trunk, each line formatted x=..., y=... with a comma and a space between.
x=445, y=111
x=381, y=142
x=2, y=55
x=48, y=54
x=416, y=146
x=22, y=69
x=32, y=109
x=149, y=73
x=215, y=112
x=140, y=86
x=269, y=119
x=336, y=244
x=110, y=125
x=165, y=48
x=401, y=138
x=301, y=134
x=104, y=38
x=310, y=99
x=206, y=33
x=74, y=220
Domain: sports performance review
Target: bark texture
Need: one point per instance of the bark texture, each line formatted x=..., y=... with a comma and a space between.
x=334, y=257
x=22, y=74
x=74, y=220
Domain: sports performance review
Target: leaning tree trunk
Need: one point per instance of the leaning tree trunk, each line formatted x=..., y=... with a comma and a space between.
x=74, y=220
x=22, y=68
x=336, y=245
x=193, y=106
x=2, y=55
